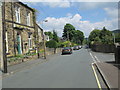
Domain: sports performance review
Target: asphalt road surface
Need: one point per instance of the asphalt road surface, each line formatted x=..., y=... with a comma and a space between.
x=60, y=71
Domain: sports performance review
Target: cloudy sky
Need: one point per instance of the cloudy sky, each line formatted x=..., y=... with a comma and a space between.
x=84, y=16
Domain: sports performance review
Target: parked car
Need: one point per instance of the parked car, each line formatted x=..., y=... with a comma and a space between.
x=75, y=48
x=79, y=47
x=67, y=50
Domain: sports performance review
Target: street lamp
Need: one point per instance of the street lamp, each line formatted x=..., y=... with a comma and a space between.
x=44, y=40
x=3, y=41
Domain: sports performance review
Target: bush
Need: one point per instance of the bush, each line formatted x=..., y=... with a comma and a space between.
x=51, y=44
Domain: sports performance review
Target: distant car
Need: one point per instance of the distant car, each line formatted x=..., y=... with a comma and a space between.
x=67, y=50
x=86, y=47
x=79, y=47
x=75, y=48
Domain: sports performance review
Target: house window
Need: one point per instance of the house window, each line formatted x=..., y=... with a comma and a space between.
x=28, y=18
x=17, y=13
x=29, y=41
x=6, y=42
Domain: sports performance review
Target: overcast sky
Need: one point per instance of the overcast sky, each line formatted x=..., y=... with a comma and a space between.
x=84, y=16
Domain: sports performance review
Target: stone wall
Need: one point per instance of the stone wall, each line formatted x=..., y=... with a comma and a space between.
x=103, y=48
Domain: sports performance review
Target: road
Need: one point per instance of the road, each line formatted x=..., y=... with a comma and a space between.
x=60, y=71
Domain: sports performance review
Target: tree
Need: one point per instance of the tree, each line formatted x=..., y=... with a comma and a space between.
x=103, y=36
x=95, y=33
x=52, y=44
x=49, y=34
x=55, y=36
x=68, y=32
x=78, y=36
x=106, y=36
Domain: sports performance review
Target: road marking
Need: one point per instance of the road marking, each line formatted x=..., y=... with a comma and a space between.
x=92, y=57
x=97, y=59
x=98, y=82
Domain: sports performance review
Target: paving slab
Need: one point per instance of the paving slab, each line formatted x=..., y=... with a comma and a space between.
x=110, y=72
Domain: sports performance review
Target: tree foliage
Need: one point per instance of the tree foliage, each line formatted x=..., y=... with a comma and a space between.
x=103, y=36
x=70, y=34
x=51, y=44
x=78, y=37
x=55, y=36
x=49, y=34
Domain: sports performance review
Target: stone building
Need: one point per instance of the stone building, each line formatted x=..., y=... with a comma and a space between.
x=20, y=28
x=40, y=33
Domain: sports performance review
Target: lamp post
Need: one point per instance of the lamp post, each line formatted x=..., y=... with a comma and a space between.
x=3, y=41
x=44, y=40
x=1, y=38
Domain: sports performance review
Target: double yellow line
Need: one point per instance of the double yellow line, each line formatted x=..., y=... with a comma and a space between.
x=98, y=82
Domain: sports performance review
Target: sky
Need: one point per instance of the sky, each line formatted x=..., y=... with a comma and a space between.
x=84, y=16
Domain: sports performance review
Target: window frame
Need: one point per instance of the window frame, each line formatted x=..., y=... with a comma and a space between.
x=28, y=18
x=17, y=13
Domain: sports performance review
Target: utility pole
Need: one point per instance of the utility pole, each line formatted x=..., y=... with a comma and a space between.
x=3, y=43
x=67, y=35
x=1, y=38
x=44, y=45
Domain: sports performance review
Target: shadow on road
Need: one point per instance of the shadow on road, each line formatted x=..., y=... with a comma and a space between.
x=113, y=63
x=65, y=54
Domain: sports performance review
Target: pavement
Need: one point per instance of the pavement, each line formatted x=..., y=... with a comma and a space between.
x=25, y=65
x=110, y=74
x=109, y=70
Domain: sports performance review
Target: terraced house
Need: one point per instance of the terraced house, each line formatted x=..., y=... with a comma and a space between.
x=20, y=28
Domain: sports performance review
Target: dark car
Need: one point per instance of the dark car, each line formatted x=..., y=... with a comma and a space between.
x=86, y=47
x=75, y=48
x=67, y=50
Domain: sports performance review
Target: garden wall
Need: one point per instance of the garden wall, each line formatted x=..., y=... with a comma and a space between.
x=105, y=48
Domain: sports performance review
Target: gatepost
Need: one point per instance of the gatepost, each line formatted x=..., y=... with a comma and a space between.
x=117, y=54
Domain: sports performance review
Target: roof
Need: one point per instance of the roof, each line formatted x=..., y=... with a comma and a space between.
x=39, y=27
x=25, y=5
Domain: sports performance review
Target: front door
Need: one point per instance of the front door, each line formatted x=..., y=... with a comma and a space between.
x=19, y=44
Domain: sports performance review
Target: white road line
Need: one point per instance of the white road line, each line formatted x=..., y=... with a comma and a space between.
x=92, y=57
x=97, y=59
